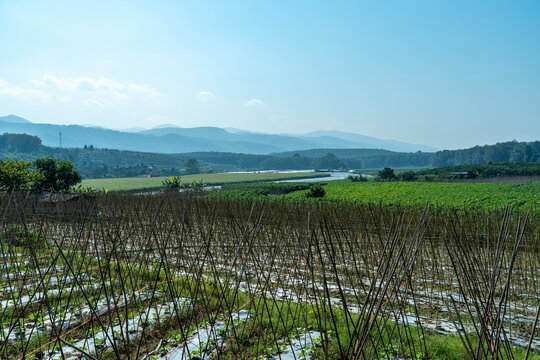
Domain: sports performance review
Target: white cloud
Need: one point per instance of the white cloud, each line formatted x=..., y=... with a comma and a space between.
x=101, y=84
x=37, y=82
x=206, y=95
x=254, y=102
x=95, y=91
x=6, y=89
x=97, y=101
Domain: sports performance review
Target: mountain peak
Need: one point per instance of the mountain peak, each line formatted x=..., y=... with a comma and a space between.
x=14, y=119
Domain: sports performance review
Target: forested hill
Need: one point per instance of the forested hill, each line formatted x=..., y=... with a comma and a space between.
x=510, y=151
x=94, y=162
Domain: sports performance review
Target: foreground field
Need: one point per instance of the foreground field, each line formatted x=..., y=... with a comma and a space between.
x=460, y=195
x=170, y=277
x=121, y=184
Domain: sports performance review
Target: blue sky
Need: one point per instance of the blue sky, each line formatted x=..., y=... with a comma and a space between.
x=449, y=74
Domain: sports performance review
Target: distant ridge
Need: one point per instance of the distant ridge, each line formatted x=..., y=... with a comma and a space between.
x=170, y=139
x=373, y=143
x=14, y=119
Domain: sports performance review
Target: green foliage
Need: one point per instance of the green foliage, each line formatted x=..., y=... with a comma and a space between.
x=429, y=177
x=456, y=195
x=257, y=190
x=357, y=178
x=489, y=170
x=329, y=161
x=408, y=176
x=94, y=162
x=316, y=191
x=18, y=175
x=387, y=174
x=196, y=185
x=511, y=151
x=19, y=143
x=192, y=166
x=18, y=236
x=42, y=174
x=174, y=182
x=57, y=175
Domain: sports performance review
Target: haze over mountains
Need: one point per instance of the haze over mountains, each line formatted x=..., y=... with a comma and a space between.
x=170, y=139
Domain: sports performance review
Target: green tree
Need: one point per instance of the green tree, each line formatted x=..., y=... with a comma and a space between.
x=408, y=176
x=57, y=175
x=192, y=166
x=387, y=174
x=18, y=175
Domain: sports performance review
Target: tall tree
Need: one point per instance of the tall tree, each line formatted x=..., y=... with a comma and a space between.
x=57, y=175
x=192, y=166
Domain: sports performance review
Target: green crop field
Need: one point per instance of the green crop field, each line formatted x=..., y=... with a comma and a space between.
x=469, y=195
x=120, y=184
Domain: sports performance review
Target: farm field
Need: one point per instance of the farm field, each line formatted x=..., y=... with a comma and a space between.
x=136, y=183
x=460, y=195
x=169, y=276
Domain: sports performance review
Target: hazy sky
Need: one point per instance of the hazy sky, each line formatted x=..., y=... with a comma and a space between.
x=449, y=74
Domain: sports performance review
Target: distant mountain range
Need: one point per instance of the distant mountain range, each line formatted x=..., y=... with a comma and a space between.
x=170, y=139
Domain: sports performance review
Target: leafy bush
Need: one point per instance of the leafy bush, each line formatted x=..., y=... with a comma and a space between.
x=316, y=191
x=357, y=178
x=173, y=183
x=195, y=185
x=18, y=175
x=408, y=176
x=430, y=177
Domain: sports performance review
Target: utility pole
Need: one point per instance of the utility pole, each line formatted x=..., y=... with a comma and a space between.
x=60, y=135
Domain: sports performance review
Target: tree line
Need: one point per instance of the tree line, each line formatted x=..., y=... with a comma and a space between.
x=99, y=163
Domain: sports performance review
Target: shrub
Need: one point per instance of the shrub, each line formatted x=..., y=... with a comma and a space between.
x=173, y=183
x=316, y=191
x=357, y=178
x=408, y=176
x=197, y=186
x=430, y=177
x=387, y=174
